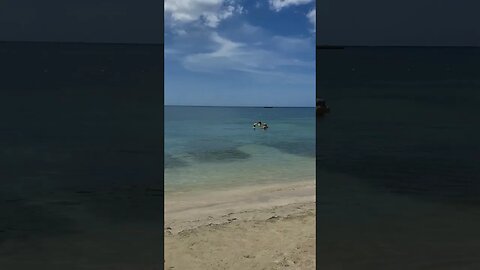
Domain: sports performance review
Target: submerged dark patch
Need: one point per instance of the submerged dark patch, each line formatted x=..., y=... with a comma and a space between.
x=303, y=149
x=225, y=155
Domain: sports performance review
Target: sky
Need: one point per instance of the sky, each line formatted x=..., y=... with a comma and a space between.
x=240, y=53
x=340, y=22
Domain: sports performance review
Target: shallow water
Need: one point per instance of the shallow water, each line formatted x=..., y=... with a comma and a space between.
x=217, y=147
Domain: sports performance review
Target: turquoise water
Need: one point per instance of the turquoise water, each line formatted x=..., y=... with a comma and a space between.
x=216, y=147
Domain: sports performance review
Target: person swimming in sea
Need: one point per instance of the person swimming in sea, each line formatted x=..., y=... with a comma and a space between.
x=260, y=125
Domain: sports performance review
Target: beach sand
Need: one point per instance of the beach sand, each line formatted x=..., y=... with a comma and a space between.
x=256, y=227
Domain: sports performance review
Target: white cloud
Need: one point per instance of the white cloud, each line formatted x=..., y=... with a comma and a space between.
x=247, y=58
x=291, y=44
x=312, y=17
x=277, y=5
x=210, y=12
x=250, y=29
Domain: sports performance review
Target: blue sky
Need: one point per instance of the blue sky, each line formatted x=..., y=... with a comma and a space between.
x=240, y=53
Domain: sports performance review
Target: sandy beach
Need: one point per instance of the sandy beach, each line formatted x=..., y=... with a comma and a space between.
x=256, y=227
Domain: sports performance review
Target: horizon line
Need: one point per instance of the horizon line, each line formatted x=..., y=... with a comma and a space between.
x=325, y=46
x=238, y=106
x=318, y=46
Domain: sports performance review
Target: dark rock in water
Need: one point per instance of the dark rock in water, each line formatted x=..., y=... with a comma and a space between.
x=225, y=155
x=321, y=107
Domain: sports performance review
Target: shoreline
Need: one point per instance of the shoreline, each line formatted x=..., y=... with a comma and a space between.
x=256, y=227
x=188, y=210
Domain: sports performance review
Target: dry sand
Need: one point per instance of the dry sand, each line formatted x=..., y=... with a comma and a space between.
x=258, y=227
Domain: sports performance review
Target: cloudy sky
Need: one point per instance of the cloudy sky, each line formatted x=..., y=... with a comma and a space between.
x=244, y=53
x=342, y=22
x=217, y=52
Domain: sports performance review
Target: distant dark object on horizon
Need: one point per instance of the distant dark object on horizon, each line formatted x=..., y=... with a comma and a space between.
x=268, y=107
x=321, y=107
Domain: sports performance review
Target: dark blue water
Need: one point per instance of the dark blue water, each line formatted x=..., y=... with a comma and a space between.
x=407, y=113
x=398, y=158
x=80, y=155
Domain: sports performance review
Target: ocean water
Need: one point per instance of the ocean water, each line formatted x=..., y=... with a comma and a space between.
x=398, y=158
x=80, y=156
x=217, y=147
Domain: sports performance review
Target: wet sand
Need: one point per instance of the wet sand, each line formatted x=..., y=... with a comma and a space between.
x=257, y=227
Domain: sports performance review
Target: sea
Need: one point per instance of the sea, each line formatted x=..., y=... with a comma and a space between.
x=81, y=177
x=398, y=158
x=217, y=147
